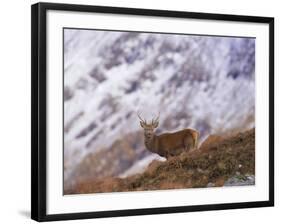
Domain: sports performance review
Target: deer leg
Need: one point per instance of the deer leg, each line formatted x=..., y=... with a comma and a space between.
x=167, y=156
x=188, y=144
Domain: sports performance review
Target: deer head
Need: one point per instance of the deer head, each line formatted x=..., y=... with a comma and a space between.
x=149, y=127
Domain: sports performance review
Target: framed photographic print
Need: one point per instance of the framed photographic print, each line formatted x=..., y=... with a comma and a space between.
x=140, y=111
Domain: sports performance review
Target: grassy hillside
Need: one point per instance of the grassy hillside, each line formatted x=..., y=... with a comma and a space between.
x=218, y=160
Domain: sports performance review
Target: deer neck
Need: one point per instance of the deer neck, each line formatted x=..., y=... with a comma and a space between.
x=150, y=143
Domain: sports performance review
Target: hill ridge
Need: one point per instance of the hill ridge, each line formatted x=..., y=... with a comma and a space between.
x=219, y=161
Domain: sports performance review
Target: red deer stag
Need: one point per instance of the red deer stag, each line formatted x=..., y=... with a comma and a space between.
x=168, y=144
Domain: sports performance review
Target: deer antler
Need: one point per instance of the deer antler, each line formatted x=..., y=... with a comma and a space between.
x=153, y=121
x=141, y=118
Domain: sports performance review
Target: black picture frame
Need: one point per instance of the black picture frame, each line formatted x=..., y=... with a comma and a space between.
x=39, y=108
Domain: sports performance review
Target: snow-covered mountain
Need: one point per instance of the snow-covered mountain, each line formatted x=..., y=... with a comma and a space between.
x=202, y=82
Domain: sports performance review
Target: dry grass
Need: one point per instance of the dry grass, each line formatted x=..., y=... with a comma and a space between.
x=216, y=160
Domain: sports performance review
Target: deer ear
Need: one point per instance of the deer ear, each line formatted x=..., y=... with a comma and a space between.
x=156, y=124
x=141, y=124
